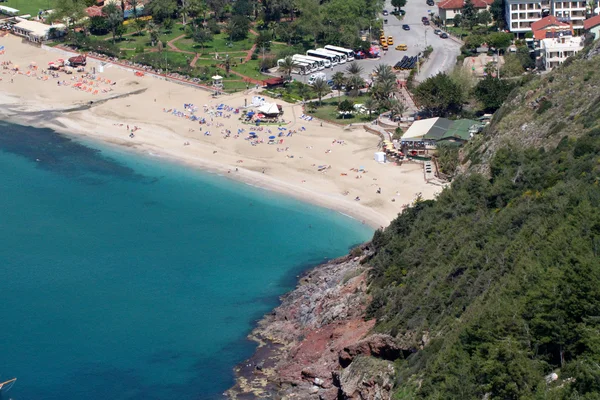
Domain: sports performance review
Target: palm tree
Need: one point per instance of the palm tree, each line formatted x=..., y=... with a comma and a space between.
x=354, y=69
x=338, y=80
x=154, y=31
x=384, y=73
x=382, y=90
x=320, y=87
x=287, y=66
x=396, y=108
x=355, y=82
x=370, y=104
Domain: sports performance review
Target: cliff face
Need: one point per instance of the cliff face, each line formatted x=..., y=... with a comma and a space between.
x=565, y=102
x=491, y=291
x=316, y=344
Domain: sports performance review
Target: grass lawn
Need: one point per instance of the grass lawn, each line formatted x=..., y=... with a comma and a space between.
x=30, y=6
x=234, y=86
x=250, y=69
x=328, y=111
x=218, y=44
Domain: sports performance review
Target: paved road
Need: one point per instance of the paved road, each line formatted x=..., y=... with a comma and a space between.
x=444, y=53
x=420, y=36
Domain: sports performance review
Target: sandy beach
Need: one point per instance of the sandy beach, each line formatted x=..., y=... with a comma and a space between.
x=124, y=103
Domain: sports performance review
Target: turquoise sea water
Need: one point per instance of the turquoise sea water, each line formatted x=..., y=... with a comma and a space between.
x=127, y=277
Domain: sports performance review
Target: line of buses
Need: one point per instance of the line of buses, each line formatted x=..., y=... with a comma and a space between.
x=320, y=59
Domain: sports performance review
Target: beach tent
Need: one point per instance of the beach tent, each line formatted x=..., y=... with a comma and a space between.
x=269, y=109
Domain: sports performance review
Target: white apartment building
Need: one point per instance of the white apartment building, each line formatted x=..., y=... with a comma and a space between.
x=554, y=51
x=520, y=14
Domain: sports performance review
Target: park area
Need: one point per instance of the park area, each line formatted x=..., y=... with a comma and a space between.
x=31, y=7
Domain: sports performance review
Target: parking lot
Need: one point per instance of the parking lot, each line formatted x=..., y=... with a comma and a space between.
x=417, y=39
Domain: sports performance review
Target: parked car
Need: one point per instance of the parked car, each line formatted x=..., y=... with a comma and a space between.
x=437, y=32
x=430, y=3
x=444, y=35
x=423, y=19
x=406, y=27
x=390, y=40
x=385, y=12
x=402, y=47
x=426, y=22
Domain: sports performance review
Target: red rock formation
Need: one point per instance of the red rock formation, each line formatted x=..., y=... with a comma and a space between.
x=317, y=331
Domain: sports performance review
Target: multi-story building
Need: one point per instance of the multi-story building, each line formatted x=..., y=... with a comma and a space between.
x=554, y=51
x=520, y=14
x=570, y=11
x=448, y=9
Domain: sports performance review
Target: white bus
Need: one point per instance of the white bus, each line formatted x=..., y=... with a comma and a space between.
x=335, y=53
x=300, y=67
x=333, y=59
x=347, y=52
x=315, y=64
x=325, y=62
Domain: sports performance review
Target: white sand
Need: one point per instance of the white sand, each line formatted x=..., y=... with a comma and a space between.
x=165, y=134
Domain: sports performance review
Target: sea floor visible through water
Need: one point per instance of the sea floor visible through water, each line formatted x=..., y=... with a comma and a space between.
x=130, y=277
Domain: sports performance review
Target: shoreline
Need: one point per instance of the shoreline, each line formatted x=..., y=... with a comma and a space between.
x=366, y=216
x=320, y=163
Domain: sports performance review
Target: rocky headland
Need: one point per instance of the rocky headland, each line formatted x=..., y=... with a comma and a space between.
x=317, y=343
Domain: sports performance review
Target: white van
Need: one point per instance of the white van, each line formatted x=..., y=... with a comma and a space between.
x=316, y=76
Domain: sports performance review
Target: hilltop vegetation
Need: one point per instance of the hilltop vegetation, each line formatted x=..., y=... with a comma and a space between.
x=495, y=285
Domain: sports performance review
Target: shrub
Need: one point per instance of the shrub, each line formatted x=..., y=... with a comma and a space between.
x=545, y=105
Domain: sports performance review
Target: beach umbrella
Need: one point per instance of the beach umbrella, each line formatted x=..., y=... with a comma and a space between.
x=271, y=137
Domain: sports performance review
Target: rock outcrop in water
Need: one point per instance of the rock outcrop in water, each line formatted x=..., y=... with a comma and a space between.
x=317, y=344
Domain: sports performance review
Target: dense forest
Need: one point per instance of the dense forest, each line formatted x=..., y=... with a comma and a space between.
x=494, y=287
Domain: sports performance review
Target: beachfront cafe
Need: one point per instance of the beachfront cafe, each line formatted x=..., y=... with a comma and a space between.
x=37, y=32
x=427, y=134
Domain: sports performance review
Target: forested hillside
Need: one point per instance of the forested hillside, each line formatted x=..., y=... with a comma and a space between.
x=495, y=286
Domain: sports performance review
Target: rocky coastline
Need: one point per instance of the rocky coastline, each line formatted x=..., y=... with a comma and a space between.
x=317, y=343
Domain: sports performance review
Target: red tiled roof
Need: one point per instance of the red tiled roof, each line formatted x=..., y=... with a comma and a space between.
x=545, y=22
x=94, y=11
x=548, y=33
x=591, y=22
x=459, y=4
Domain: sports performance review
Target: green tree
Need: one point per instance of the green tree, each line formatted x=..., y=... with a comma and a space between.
x=497, y=10
x=355, y=83
x=346, y=106
x=162, y=10
x=484, y=17
x=310, y=21
x=492, y=92
x=396, y=108
x=140, y=25
x=287, y=66
x=457, y=20
x=338, y=81
x=354, y=69
x=398, y=4
x=114, y=18
x=384, y=72
x=474, y=41
x=439, y=95
x=200, y=34
x=370, y=105
x=238, y=27
x=527, y=62
x=154, y=31
x=320, y=87
x=72, y=11
x=469, y=14
x=98, y=26
x=500, y=40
